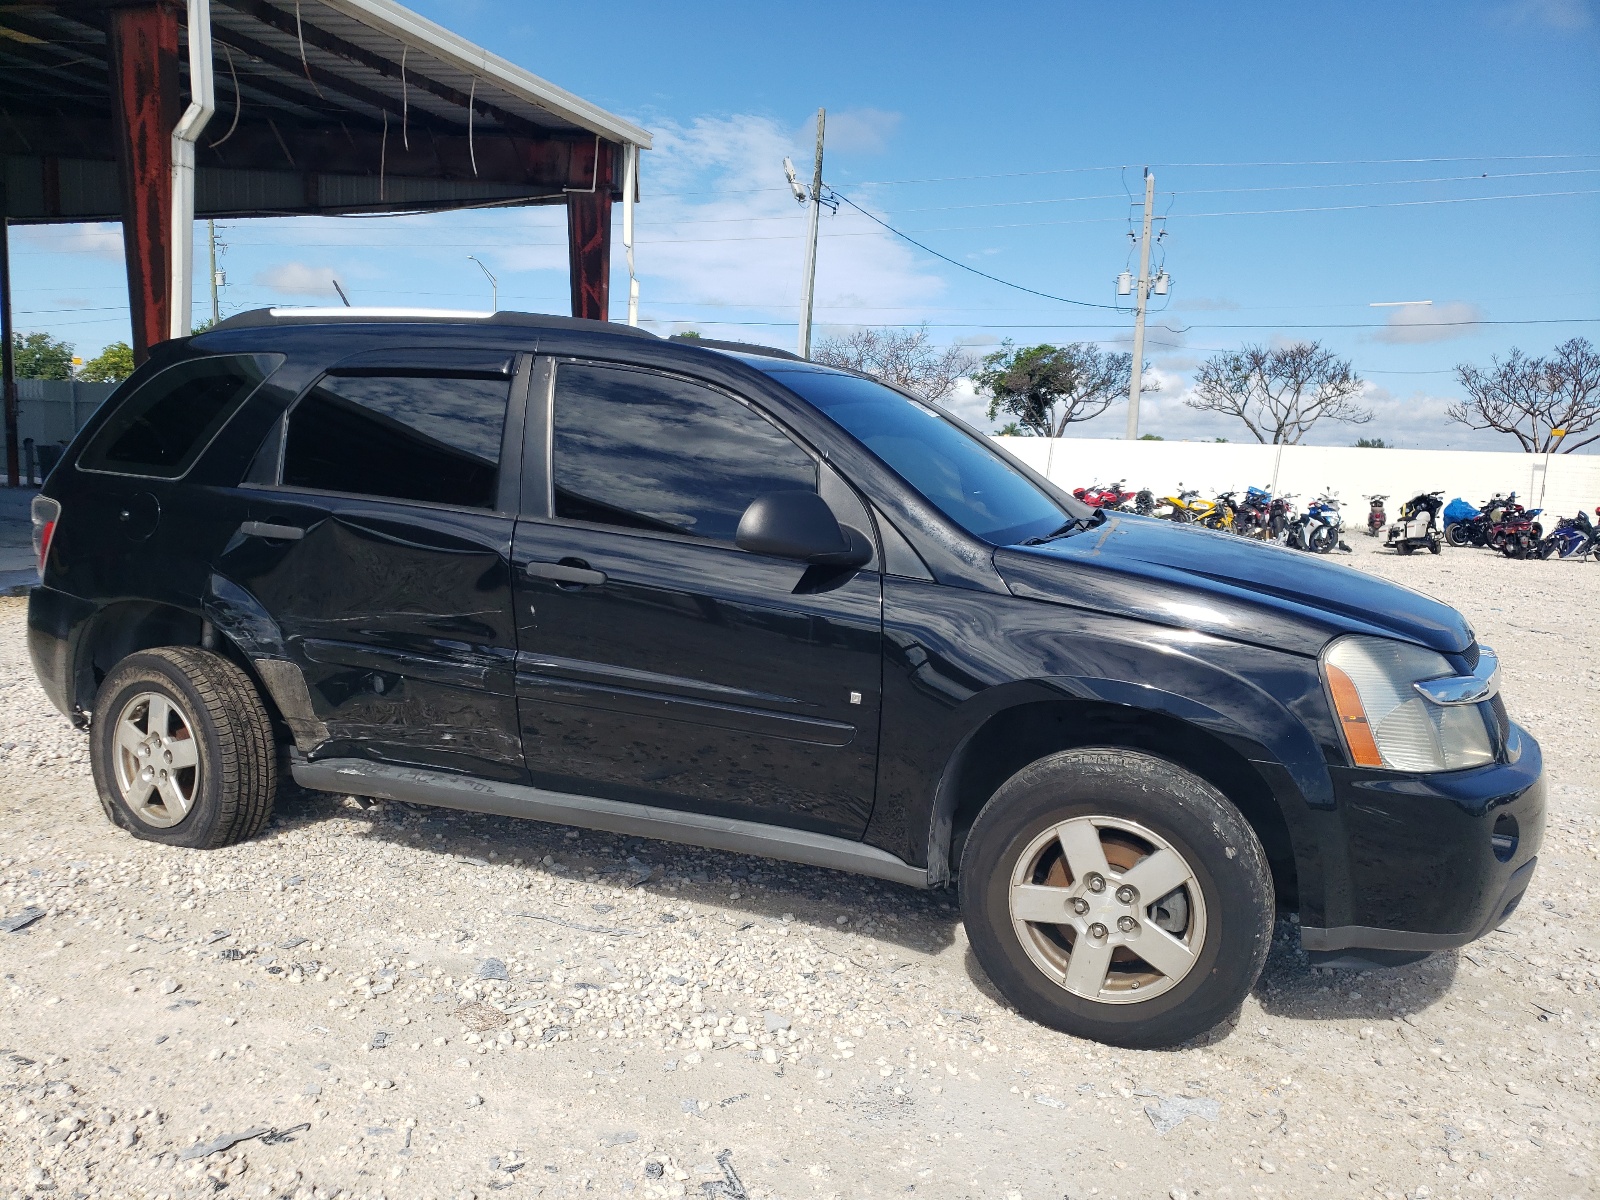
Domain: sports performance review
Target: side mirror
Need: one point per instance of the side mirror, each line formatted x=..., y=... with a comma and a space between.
x=801, y=526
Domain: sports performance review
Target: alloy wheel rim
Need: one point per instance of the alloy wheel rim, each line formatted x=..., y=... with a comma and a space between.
x=157, y=759
x=1108, y=909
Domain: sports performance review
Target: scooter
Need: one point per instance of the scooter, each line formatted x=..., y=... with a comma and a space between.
x=1376, y=517
x=1418, y=526
x=1573, y=537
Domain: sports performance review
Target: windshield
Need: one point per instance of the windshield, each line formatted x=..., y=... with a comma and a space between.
x=965, y=477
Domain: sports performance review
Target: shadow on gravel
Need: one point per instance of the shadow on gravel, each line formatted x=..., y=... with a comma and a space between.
x=917, y=921
x=1291, y=987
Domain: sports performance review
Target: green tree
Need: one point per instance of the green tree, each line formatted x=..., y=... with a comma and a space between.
x=40, y=356
x=1372, y=444
x=1046, y=388
x=1151, y=437
x=1011, y=429
x=111, y=365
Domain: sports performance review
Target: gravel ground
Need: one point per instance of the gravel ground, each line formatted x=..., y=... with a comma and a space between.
x=375, y=1000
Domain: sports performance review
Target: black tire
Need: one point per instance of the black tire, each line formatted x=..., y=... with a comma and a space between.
x=234, y=778
x=1404, y=547
x=1435, y=544
x=1210, y=838
x=1323, y=539
x=1456, y=535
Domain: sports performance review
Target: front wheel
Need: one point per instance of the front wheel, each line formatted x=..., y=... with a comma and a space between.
x=1115, y=896
x=182, y=749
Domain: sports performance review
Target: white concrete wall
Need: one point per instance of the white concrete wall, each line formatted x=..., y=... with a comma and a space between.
x=1572, y=481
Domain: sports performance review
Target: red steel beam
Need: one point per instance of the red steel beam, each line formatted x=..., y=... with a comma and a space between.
x=144, y=102
x=589, y=232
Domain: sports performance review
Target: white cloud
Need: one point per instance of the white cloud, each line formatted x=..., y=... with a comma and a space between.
x=854, y=131
x=720, y=235
x=1557, y=14
x=298, y=279
x=1413, y=323
x=100, y=239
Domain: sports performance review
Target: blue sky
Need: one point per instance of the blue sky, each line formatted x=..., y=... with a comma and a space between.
x=1380, y=127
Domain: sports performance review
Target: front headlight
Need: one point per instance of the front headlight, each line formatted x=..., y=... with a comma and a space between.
x=1388, y=721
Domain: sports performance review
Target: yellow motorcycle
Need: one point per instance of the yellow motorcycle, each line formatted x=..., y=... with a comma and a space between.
x=1220, y=512
x=1184, y=507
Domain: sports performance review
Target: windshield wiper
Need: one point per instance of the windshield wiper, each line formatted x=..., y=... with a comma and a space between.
x=1075, y=525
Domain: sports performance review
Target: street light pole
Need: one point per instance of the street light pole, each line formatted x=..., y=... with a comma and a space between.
x=494, y=284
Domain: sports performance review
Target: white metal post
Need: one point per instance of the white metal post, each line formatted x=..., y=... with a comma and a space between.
x=630, y=183
x=202, y=103
x=211, y=242
x=810, y=271
x=1138, y=320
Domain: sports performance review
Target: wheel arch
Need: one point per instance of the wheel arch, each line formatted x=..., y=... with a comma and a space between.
x=1042, y=721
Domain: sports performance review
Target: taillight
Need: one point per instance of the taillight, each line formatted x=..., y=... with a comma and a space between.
x=46, y=512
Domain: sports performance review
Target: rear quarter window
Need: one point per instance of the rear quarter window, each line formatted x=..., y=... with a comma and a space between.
x=167, y=422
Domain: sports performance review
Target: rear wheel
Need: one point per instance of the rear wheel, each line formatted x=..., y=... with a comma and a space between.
x=1456, y=535
x=182, y=749
x=1115, y=896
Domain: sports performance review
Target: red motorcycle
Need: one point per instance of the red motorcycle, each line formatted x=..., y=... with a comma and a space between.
x=1516, y=533
x=1377, y=519
x=1105, y=495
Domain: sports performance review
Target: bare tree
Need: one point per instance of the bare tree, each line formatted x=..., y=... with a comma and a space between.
x=1281, y=393
x=1531, y=398
x=1046, y=388
x=903, y=357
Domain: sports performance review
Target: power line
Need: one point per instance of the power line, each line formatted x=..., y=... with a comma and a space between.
x=964, y=266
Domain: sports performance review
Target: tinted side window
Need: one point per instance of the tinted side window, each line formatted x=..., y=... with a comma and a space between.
x=162, y=428
x=646, y=451
x=432, y=439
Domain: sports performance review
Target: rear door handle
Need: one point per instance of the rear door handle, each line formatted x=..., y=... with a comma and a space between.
x=563, y=573
x=265, y=529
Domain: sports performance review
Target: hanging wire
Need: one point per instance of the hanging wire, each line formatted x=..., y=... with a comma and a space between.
x=383, y=157
x=238, y=98
x=472, y=100
x=304, y=65
x=405, y=100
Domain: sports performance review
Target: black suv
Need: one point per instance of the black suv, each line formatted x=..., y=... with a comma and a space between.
x=720, y=595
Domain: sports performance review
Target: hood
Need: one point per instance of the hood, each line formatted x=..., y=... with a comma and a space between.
x=1194, y=578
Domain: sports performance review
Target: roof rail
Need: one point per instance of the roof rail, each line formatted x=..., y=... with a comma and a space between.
x=736, y=347
x=258, y=318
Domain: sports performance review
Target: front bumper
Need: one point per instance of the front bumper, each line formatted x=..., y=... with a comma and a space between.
x=1429, y=862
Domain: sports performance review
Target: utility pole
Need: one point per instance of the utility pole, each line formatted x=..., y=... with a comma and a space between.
x=811, y=242
x=211, y=238
x=1143, y=297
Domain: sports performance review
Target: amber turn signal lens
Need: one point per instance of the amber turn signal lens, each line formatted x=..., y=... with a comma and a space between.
x=1352, y=719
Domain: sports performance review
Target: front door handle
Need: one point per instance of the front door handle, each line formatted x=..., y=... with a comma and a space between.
x=565, y=573
x=265, y=529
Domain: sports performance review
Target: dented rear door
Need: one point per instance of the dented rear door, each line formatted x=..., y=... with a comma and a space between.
x=382, y=556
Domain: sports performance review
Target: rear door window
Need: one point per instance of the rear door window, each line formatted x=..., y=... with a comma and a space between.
x=639, y=450
x=166, y=424
x=435, y=439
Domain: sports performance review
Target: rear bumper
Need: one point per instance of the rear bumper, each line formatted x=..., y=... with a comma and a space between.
x=1430, y=862
x=55, y=621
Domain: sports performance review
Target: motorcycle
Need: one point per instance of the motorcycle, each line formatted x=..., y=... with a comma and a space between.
x=1184, y=507
x=1376, y=517
x=1145, y=503
x=1222, y=512
x=1517, y=534
x=1512, y=519
x=1104, y=495
x=1251, y=517
x=1468, y=526
x=1279, y=513
x=1418, y=526
x=1325, y=533
x=1573, y=537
